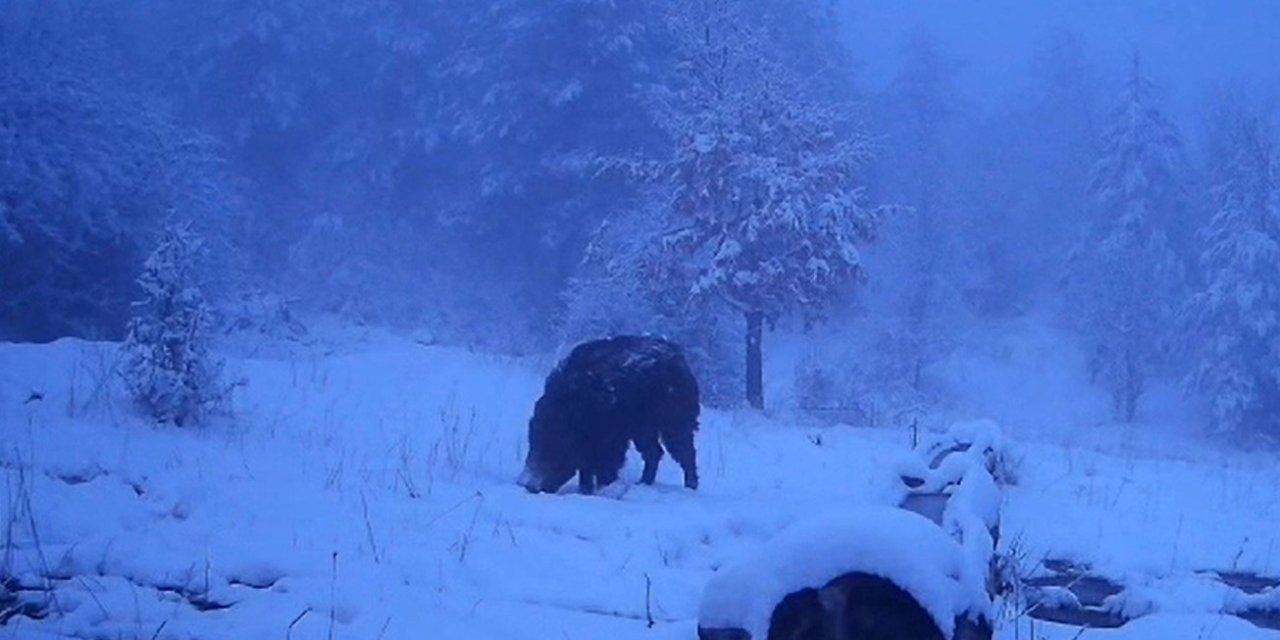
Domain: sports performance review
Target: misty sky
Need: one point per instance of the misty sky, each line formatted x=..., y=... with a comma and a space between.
x=1187, y=44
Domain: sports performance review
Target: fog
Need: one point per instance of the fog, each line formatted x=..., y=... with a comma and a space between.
x=1192, y=46
x=863, y=182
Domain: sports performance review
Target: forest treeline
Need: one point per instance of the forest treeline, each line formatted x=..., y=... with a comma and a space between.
x=521, y=175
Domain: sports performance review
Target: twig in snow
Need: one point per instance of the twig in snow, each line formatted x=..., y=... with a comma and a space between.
x=368, y=528
x=455, y=507
x=1240, y=552
x=333, y=589
x=289, y=632
x=93, y=596
x=465, y=540
x=206, y=575
x=1177, y=537
x=24, y=496
x=648, y=600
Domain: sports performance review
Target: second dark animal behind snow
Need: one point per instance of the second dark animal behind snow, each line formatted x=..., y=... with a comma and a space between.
x=605, y=395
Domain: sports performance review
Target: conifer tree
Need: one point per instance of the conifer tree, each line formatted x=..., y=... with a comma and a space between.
x=1125, y=273
x=1235, y=318
x=169, y=370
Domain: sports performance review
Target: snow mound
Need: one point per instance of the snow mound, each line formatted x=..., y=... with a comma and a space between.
x=897, y=545
x=944, y=459
x=958, y=465
x=983, y=434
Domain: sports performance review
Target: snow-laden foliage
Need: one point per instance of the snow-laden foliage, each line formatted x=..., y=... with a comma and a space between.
x=169, y=370
x=612, y=293
x=89, y=164
x=1125, y=274
x=1236, y=316
x=438, y=134
x=540, y=97
x=768, y=207
x=760, y=205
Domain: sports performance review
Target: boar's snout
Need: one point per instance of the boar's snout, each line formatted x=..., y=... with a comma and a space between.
x=529, y=480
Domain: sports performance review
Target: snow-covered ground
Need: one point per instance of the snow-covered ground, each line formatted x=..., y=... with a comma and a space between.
x=367, y=492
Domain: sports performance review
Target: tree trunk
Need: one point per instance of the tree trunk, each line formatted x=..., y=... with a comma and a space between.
x=1132, y=387
x=755, y=360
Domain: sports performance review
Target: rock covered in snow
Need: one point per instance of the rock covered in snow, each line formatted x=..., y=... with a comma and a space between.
x=897, y=545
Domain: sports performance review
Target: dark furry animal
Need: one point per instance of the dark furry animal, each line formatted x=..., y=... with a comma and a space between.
x=854, y=606
x=861, y=606
x=603, y=396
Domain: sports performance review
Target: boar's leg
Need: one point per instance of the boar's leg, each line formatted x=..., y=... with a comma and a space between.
x=586, y=481
x=680, y=445
x=651, y=451
x=607, y=456
x=605, y=476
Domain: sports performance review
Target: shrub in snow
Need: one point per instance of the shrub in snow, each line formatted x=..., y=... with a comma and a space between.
x=832, y=390
x=266, y=314
x=169, y=371
x=853, y=386
x=872, y=376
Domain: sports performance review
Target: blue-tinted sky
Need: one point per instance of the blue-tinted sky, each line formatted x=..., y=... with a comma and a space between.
x=1186, y=44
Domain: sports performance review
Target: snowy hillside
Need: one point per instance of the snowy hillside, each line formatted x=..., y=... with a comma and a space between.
x=368, y=492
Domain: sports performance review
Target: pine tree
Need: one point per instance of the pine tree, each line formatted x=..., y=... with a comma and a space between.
x=170, y=372
x=918, y=114
x=1126, y=273
x=1053, y=142
x=542, y=95
x=1235, y=318
x=924, y=103
x=767, y=208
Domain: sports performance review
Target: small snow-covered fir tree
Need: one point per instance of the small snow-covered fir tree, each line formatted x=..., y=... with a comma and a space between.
x=169, y=370
x=1235, y=318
